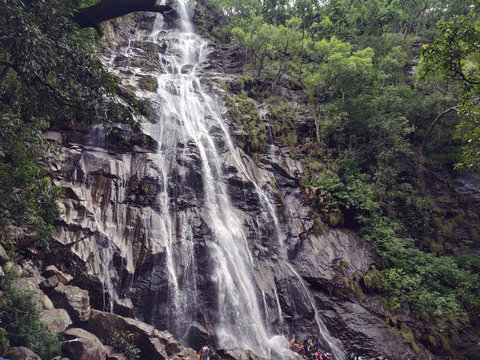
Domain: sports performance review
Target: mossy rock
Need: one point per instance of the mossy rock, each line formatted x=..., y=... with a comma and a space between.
x=147, y=82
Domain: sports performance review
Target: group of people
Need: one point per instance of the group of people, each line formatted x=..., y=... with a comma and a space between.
x=310, y=349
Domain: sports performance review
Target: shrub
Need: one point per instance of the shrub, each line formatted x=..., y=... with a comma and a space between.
x=123, y=342
x=21, y=324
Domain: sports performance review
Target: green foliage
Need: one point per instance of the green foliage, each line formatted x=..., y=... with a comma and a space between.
x=50, y=74
x=282, y=119
x=455, y=55
x=21, y=325
x=27, y=197
x=4, y=342
x=147, y=83
x=243, y=110
x=122, y=342
x=273, y=51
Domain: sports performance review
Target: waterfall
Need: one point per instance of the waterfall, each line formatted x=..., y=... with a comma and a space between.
x=193, y=143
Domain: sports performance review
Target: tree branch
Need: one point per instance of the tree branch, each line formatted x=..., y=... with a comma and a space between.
x=415, y=18
x=464, y=78
x=430, y=128
x=9, y=64
x=94, y=15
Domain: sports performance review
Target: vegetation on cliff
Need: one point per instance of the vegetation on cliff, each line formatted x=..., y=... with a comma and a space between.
x=390, y=90
x=50, y=75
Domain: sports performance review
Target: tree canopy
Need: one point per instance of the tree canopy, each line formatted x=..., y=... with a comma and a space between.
x=50, y=73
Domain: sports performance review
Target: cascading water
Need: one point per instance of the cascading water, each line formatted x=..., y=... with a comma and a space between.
x=193, y=142
x=185, y=119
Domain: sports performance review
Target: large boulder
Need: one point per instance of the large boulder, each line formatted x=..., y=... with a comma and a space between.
x=82, y=345
x=75, y=300
x=154, y=344
x=21, y=353
x=14, y=268
x=23, y=284
x=62, y=277
x=57, y=320
x=236, y=354
x=82, y=349
x=3, y=256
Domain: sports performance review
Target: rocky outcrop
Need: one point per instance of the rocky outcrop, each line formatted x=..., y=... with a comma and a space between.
x=82, y=345
x=153, y=343
x=57, y=320
x=21, y=353
x=74, y=299
x=3, y=256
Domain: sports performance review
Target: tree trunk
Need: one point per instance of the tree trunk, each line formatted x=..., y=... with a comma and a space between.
x=8, y=65
x=93, y=16
x=432, y=125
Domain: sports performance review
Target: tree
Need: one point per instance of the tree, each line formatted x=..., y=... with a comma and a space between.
x=50, y=74
x=455, y=55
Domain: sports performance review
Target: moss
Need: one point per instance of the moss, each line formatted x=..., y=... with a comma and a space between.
x=352, y=283
x=148, y=83
x=144, y=64
x=319, y=227
x=335, y=218
x=374, y=279
x=408, y=337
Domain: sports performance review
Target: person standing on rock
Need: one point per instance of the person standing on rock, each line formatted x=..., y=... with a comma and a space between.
x=205, y=353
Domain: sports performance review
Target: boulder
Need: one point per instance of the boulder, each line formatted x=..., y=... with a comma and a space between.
x=83, y=345
x=3, y=256
x=23, y=284
x=78, y=333
x=198, y=335
x=11, y=267
x=46, y=302
x=33, y=274
x=62, y=277
x=236, y=354
x=154, y=344
x=124, y=307
x=21, y=353
x=75, y=300
x=51, y=282
x=82, y=349
x=57, y=320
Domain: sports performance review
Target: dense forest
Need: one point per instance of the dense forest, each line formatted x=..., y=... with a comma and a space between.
x=379, y=100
